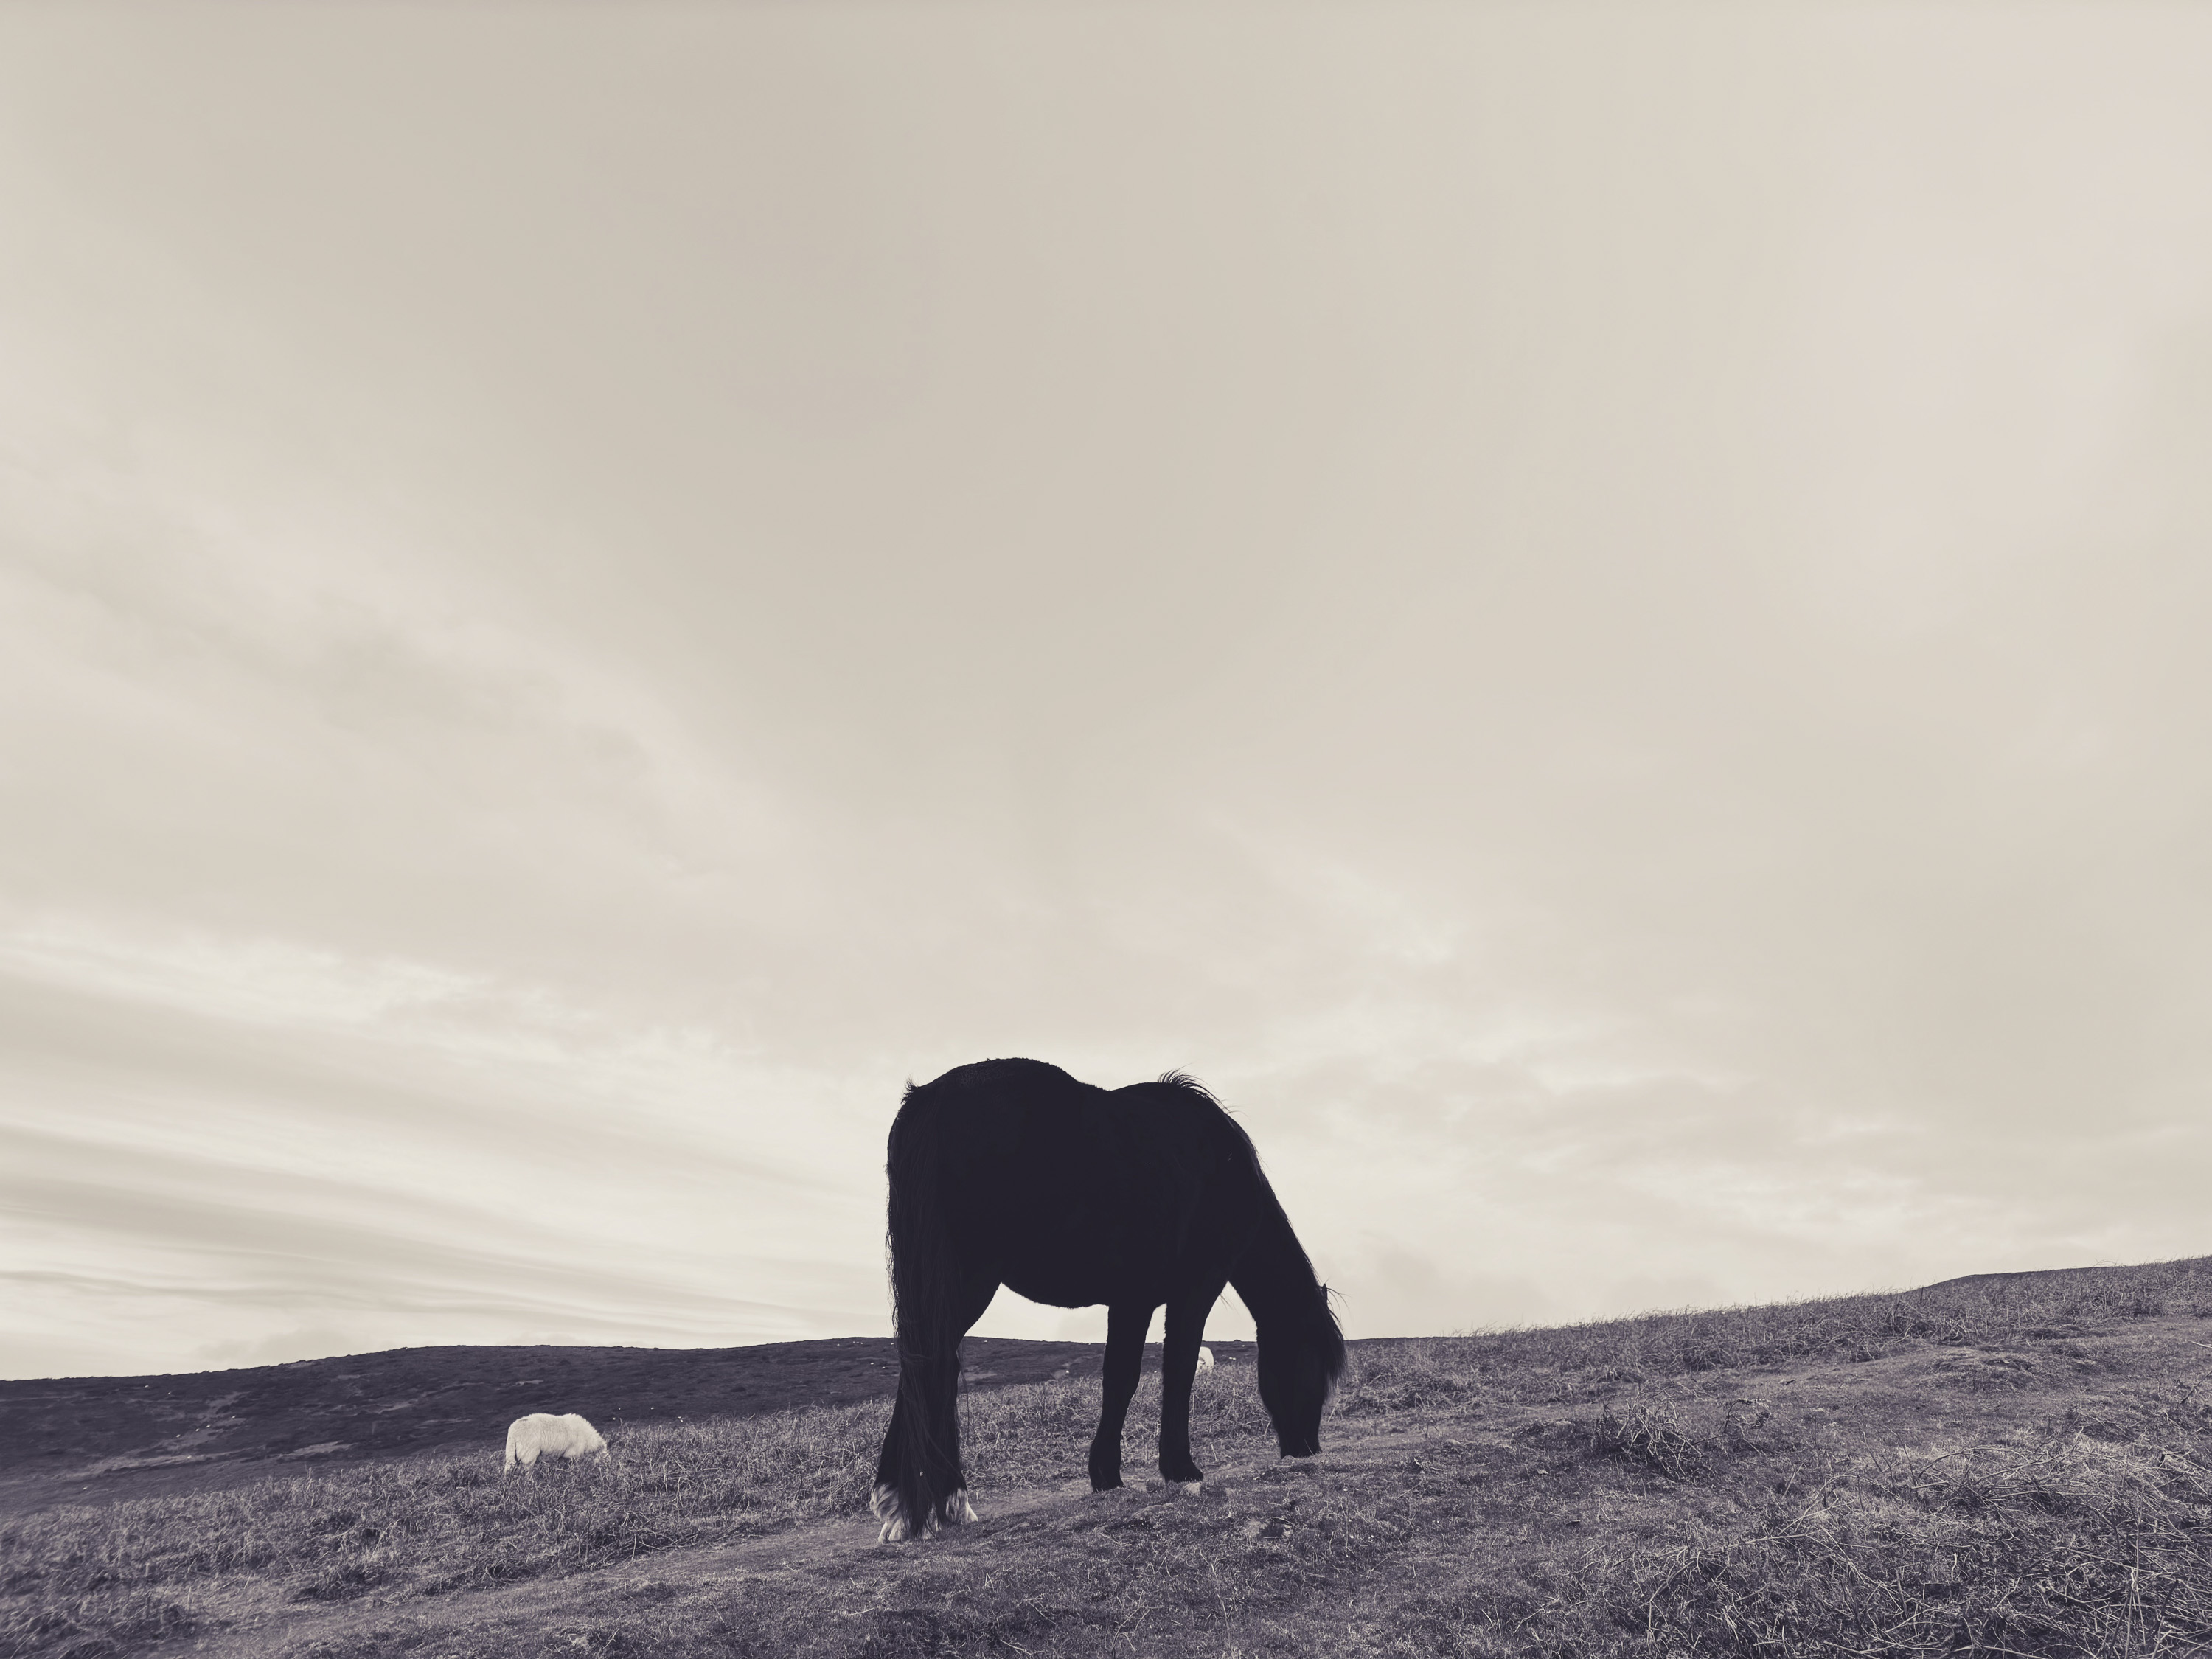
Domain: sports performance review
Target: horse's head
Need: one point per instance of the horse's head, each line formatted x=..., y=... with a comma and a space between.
x=1301, y=1357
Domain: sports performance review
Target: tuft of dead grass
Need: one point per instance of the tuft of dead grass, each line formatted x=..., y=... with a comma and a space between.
x=1654, y=1435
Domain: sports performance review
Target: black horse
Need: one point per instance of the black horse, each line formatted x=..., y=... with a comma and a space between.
x=1011, y=1172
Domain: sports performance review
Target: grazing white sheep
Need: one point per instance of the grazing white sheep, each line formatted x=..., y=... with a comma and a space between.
x=541, y=1434
x=1205, y=1361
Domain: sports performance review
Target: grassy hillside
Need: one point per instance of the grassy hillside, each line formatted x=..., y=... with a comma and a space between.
x=98, y=1439
x=2010, y=1465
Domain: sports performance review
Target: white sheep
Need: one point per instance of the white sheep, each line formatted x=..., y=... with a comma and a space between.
x=541, y=1434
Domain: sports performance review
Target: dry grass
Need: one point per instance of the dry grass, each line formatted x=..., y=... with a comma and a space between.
x=81, y=1582
x=444, y=1523
x=1583, y=1361
x=2011, y=1467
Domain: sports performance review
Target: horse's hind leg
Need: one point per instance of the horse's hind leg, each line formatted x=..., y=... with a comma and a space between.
x=920, y=1484
x=1186, y=1325
x=1125, y=1358
x=972, y=1298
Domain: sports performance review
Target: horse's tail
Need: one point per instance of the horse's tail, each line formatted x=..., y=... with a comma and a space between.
x=919, y=1483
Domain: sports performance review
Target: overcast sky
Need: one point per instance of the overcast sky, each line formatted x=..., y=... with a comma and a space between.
x=1598, y=616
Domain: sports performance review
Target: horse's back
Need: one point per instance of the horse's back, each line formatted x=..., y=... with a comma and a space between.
x=993, y=1089
x=1072, y=1193
x=1023, y=1118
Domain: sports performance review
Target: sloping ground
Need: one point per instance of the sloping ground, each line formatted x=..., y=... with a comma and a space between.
x=102, y=1439
x=2015, y=1500
x=2016, y=1465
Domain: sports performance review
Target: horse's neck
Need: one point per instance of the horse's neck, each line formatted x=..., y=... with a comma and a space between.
x=1274, y=1280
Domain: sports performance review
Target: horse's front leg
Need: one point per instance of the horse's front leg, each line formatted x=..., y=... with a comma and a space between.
x=1178, y=1366
x=1126, y=1324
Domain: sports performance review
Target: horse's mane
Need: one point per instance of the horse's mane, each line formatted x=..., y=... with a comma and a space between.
x=1179, y=1079
x=1325, y=1332
x=1190, y=1086
x=1184, y=1081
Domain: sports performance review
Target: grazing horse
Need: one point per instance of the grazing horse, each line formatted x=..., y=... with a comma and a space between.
x=541, y=1434
x=1011, y=1172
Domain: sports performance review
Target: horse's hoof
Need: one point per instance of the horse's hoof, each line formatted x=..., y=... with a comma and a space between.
x=896, y=1529
x=883, y=1501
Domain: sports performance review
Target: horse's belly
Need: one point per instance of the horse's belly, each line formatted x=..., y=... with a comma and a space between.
x=1061, y=1290
x=1073, y=1240
x=1085, y=1278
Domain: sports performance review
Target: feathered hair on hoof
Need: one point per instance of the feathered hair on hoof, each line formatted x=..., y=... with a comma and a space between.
x=950, y=1510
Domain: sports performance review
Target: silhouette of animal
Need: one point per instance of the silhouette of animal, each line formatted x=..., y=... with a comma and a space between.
x=1205, y=1361
x=541, y=1434
x=1012, y=1172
